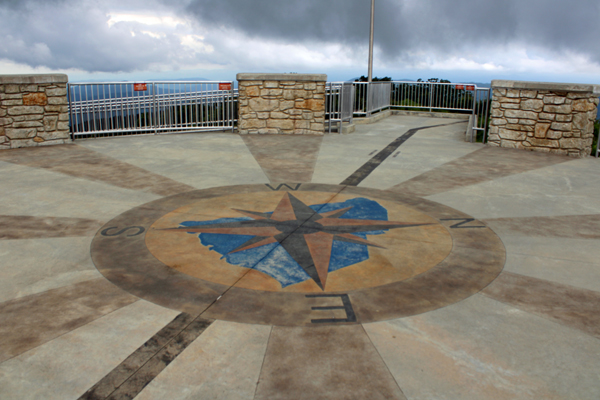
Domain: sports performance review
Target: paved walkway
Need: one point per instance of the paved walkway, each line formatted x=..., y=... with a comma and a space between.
x=396, y=262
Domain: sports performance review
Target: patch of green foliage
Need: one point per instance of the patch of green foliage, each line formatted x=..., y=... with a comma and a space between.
x=375, y=79
x=408, y=105
x=595, y=143
x=435, y=80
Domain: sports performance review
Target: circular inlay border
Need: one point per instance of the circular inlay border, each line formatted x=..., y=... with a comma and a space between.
x=119, y=251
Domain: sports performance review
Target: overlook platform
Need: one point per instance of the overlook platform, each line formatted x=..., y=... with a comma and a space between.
x=395, y=262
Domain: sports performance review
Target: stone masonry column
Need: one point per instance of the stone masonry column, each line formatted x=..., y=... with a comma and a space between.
x=545, y=117
x=34, y=110
x=281, y=103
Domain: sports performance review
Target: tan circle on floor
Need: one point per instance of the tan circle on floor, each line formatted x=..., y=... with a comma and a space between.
x=419, y=268
x=405, y=252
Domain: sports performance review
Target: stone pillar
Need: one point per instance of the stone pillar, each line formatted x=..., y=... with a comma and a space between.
x=34, y=110
x=281, y=103
x=545, y=117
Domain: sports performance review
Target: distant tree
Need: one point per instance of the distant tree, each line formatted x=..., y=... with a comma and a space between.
x=365, y=79
x=435, y=80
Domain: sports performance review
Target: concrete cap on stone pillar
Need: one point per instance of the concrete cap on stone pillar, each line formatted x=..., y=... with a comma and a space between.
x=33, y=79
x=281, y=77
x=552, y=86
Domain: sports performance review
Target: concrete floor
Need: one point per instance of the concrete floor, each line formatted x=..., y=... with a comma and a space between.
x=73, y=325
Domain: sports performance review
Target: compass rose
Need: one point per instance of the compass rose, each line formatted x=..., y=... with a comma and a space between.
x=260, y=255
x=304, y=233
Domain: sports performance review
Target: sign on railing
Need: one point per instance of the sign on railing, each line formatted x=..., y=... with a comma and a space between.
x=140, y=87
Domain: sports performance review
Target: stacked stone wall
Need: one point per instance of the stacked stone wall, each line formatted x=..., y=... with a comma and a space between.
x=544, y=117
x=34, y=110
x=281, y=104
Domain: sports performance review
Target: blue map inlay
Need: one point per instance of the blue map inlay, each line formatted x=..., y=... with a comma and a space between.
x=273, y=260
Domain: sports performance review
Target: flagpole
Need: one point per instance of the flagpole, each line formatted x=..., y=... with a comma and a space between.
x=370, y=78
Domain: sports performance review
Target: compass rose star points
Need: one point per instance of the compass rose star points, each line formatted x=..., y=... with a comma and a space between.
x=306, y=235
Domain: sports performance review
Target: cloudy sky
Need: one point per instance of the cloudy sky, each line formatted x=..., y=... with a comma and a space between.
x=460, y=40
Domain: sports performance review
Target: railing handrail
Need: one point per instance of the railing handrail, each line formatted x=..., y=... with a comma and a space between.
x=149, y=97
x=147, y=82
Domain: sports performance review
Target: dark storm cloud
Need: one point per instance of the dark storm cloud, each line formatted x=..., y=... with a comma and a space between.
x=23, y=4
x=296, y=20
x=402, y=25
x=63, y=34
x=554, y=24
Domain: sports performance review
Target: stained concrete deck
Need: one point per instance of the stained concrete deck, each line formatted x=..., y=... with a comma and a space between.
x=68, y=332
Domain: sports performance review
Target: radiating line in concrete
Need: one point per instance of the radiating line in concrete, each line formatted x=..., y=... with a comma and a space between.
x=571, y=306
x=340, y=155
x=128, y=379
x=366, y=169
x=201, y=160
x=568, y=226
x=67, y=366
x=332, y=362
x=285, y=158
x=41, y=192
x=28, y=227
x=423, y=152
x=482, y=349
x=223, y=363
x=80, y=162
x=483, y=165
x=566, y=271
x=30, y=321
x=32, y=266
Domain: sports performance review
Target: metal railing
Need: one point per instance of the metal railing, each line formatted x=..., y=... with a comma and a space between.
x=372, y=97
x=596, y=138
x=481, y=113
x=338, y=104
x=378, y=96
x=124, y=108
x=360, y=98
x=433, y=96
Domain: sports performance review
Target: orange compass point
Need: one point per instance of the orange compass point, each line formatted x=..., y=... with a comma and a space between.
x=249, y=231
x=260, y=241
x=284, y=210
x=320, y=246
x=335, y=213
x=363, y=222
x=348, y=237
x=307, y=236
x=252, y=214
